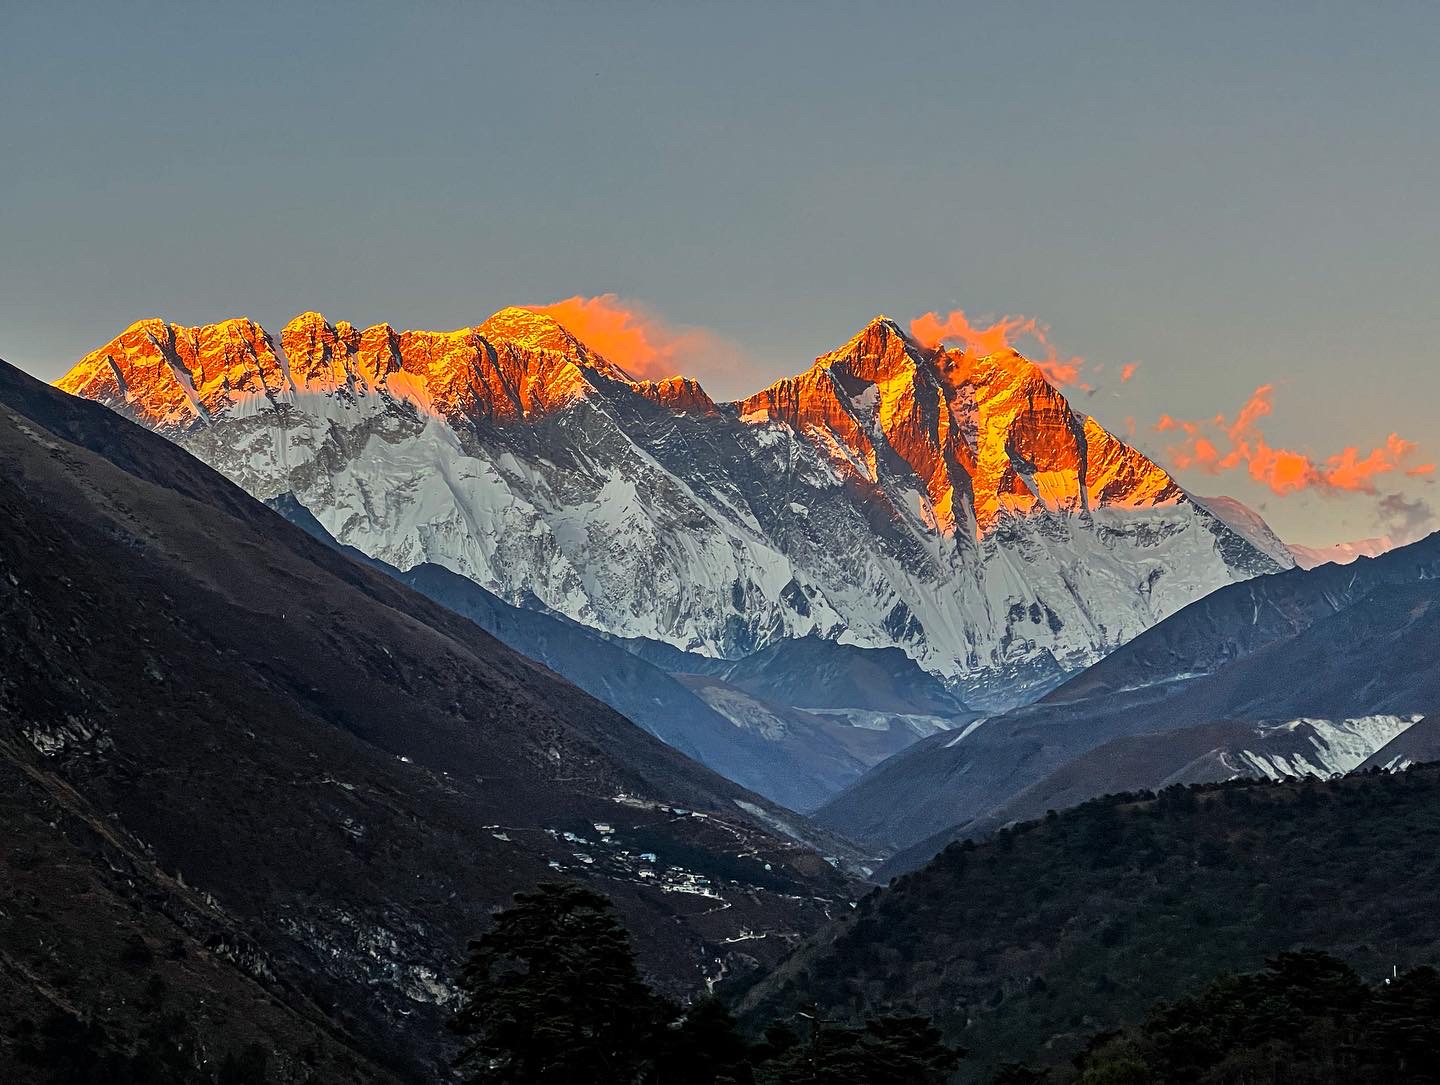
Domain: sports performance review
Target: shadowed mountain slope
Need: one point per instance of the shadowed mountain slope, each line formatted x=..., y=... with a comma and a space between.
x=1415, y=746
x=325, y=777
x=795, y=773
x=1240, y=619
x=809, y=672
x=1336, y=644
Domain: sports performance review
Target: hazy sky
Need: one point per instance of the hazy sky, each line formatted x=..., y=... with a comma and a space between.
x=1229, y=198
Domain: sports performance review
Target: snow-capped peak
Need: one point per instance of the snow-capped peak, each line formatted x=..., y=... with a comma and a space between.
x=956, y=507
x=1249, y=525
x=533, y=331
x=1308, y=557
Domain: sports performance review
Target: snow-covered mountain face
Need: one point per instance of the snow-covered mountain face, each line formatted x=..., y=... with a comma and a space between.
x=1320, y=748
x=954, y=506
x=1245, y=521
x=1310, y=557
x=1251, y=526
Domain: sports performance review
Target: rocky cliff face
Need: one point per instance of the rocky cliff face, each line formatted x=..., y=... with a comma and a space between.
x=988, y=438
x=954, y=506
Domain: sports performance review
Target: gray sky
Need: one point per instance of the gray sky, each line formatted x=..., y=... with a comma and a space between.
x=1228, y=197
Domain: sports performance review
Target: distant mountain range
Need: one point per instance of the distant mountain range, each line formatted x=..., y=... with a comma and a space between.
x=1308, y=557
x=1305, y=672
x=757, y=560
x=952, y=506
x=1249, y=523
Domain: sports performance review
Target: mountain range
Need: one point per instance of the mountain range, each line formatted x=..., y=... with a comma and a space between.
x=449, y=614
x=732, y=575
x=1308, y=557
x=954, y=506
x=1304, y=672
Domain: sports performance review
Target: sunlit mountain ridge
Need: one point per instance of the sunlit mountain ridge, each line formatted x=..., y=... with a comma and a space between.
x=952, y=504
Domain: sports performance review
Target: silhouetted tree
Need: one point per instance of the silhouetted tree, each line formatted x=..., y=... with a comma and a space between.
x=552, y=994
x=1307, y=1018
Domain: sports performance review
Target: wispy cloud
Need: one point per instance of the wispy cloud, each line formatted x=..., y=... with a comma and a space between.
x=1008, y=333
x=645, y=344
x=1406, y=519
x=1221, y=444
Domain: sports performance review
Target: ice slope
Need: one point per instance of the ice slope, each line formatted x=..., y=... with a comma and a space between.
x=1309, y=557
x=1323, y=747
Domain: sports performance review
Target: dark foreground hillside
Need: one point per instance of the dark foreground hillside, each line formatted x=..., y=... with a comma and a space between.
x=1307, y=1019
x=1024, y=946
x=264, y=787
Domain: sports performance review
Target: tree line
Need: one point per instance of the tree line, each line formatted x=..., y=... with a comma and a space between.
x=552, y=995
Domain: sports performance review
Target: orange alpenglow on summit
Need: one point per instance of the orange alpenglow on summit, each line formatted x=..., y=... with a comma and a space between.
x=981, y=424
x=946, y=500
x=986, y=430
x=516, y=364
x=648, y=346
x=956, y=328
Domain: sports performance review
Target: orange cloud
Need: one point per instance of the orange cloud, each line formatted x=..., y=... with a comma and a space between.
x=931, y=330
x=649, y=347
x=1220, y=444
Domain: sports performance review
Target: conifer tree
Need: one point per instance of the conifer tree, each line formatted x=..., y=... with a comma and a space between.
x=552, y=995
